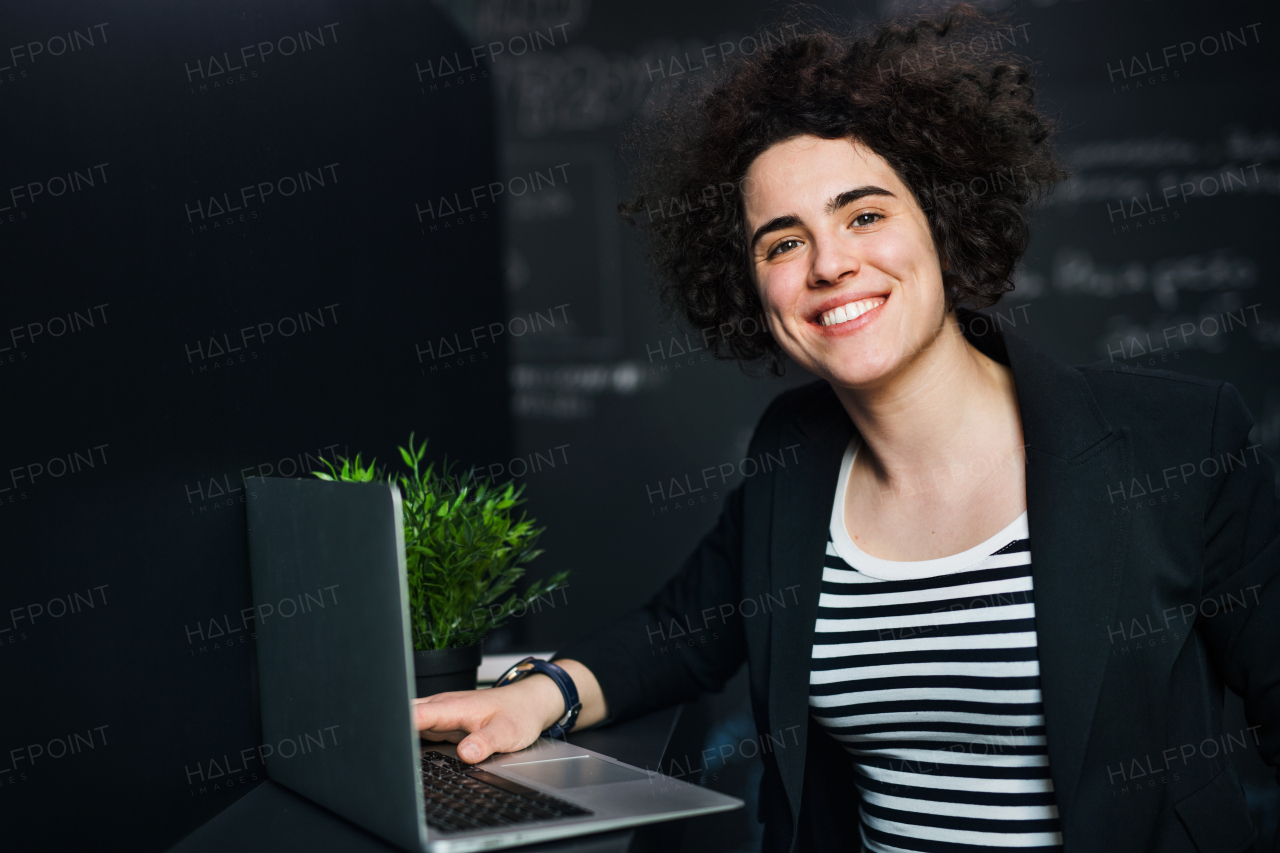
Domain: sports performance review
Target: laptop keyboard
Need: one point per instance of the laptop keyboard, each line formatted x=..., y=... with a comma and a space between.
x=460, y=797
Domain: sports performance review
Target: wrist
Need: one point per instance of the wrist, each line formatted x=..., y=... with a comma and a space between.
x=546, y=697
x=571, y=701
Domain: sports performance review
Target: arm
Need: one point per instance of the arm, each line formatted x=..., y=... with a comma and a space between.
x=1242, y=572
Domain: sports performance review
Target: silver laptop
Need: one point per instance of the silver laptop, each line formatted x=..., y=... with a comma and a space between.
x=335, y=674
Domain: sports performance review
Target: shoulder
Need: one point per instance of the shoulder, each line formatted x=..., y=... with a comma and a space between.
x=811, y=399
x=795, y=402
x=812, y=403
x=1174, y=419
x=1133, y=396
x=1110, y=375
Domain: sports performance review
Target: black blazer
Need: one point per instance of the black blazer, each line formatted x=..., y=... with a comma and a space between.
x=1155, y=555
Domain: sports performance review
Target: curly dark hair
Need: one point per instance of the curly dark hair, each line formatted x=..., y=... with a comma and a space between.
x=938, y=99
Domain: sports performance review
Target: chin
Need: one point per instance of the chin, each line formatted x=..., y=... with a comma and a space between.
x=856, y=378
x=862, y=358
x=856, y=369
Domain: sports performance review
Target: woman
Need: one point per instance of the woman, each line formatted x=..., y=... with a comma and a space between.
x=982, y=589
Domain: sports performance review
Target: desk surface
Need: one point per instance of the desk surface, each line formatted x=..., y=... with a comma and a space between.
x=271, y=818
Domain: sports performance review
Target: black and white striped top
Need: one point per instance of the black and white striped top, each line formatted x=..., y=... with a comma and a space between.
x=927, y=672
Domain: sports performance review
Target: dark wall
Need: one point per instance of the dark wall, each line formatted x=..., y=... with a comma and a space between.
x=233, y=280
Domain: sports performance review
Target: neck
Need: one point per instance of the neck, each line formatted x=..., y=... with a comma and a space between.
x=949, y=404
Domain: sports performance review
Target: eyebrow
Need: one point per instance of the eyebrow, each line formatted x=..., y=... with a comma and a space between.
x=843, y=200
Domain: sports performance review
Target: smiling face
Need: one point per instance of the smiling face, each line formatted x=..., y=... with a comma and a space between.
x=843, y=260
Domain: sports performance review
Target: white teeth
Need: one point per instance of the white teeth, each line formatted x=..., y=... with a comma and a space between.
x=845, y=313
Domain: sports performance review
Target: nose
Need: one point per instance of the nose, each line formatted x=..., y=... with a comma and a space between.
x=834, y=261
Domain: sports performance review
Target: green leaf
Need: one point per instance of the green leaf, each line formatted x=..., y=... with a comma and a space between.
x=464, y=550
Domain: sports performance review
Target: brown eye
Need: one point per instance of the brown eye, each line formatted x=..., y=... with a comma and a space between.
x=784, y=246
x=864, y=219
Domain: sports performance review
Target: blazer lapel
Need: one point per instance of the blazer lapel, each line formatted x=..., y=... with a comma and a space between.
x=1078, y=547
x=802, y=500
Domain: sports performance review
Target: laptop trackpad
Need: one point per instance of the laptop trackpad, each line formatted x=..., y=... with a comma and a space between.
x=577, y=771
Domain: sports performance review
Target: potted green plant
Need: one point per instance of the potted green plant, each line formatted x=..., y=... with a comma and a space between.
x=465, y=550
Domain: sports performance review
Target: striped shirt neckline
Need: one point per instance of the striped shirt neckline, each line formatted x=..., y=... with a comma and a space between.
x=877, y=567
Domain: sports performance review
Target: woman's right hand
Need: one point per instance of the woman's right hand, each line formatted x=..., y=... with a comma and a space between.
x=505, y=719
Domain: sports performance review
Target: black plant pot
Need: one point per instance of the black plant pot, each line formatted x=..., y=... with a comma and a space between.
x=443, y=670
